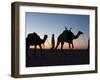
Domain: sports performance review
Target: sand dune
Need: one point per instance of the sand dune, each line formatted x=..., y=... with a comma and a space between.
x=56, y=57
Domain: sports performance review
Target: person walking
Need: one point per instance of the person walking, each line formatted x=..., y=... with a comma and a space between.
x=53, y=42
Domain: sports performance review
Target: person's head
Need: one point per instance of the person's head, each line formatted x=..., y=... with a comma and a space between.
x=65, y=28
x=70, y=29
x=52, y=34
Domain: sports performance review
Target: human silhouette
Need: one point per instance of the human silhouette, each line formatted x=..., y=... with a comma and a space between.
x=53, y=42
x=70, y=29
x=66, y=28
x=70, y=34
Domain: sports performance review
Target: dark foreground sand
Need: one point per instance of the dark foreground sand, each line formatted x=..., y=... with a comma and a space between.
x=56, y=57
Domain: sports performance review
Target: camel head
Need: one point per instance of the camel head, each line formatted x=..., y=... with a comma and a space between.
x=79, y=32
x=45, y=37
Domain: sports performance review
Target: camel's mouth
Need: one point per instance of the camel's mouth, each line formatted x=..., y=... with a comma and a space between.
x=80, y=32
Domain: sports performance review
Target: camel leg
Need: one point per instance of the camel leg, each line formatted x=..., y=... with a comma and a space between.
x=57, y=44
x=69, y=45
x=35, y=48
x=62, y=43
x=27, y=47
x=72, y=45
x=40, y=48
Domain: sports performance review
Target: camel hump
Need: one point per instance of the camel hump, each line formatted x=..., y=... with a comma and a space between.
x=71, y=33
x=68, y=32
x=31, y=35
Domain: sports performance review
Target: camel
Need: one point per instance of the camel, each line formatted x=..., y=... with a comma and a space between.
x=34, y=39
x=67, y=36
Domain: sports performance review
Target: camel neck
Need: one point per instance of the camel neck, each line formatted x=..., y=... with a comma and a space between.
x=76, y=36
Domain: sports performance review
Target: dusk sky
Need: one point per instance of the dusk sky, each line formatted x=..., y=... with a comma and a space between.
x=50, y=23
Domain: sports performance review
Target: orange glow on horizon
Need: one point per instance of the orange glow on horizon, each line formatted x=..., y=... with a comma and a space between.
x=78, y=44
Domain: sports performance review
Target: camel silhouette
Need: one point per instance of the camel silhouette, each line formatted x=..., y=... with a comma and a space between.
x=67, y=36
x=34, y=39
